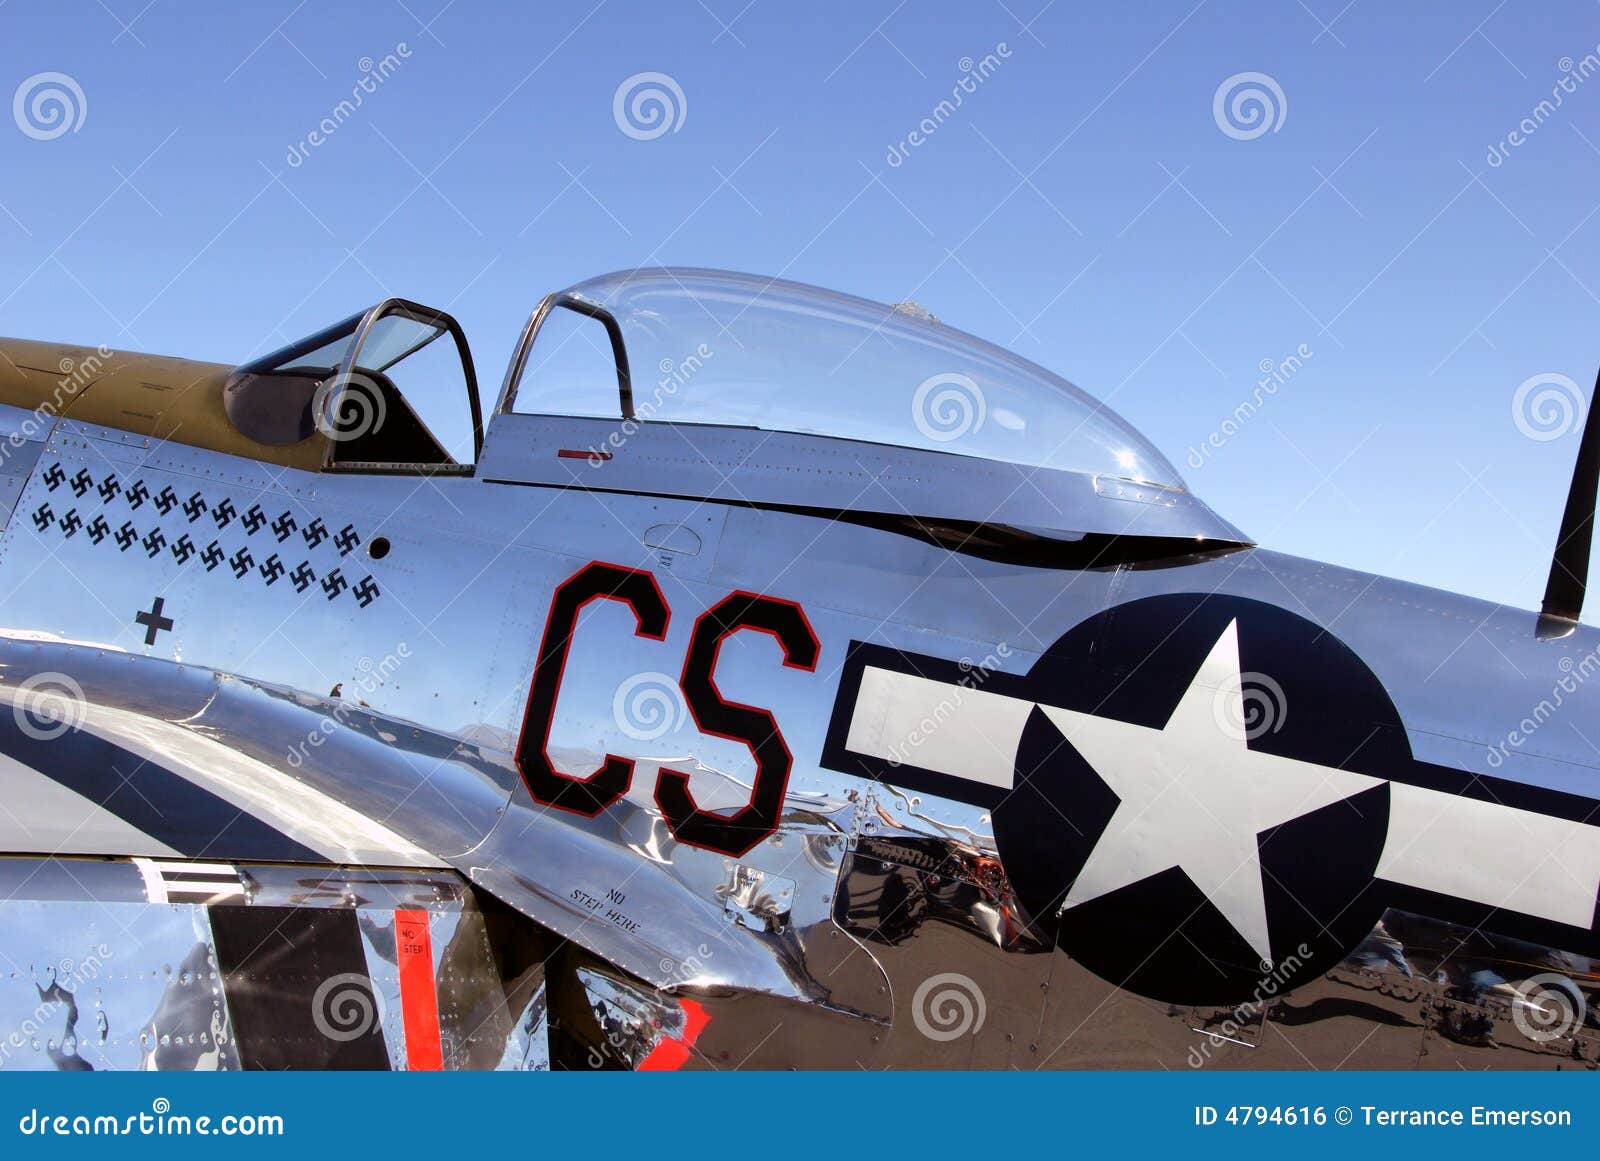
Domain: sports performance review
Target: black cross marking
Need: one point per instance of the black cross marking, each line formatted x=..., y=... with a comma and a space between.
x=315, y=532
x=54, y=475
x=254, y=519
x=303, y=576
x=153, y=621
x=82, y=482
x=272, y=569
x=155, y=542
x=137, y=494
x=224, y=512
x=283, y=526
x=347, y=539
x=167, y=500
x=43, y=518
x=212, y=555
x=194, y=507
x=71, y=522
x=109, y=487
x=184, y=549
x=99, y=529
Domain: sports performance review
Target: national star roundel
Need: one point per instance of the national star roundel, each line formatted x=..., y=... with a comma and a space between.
x=1161, y=665
x=1197, y=805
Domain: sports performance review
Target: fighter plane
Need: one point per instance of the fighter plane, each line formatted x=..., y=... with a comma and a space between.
x=776, y=679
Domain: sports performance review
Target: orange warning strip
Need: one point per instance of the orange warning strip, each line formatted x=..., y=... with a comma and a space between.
x=419, y=1002
x=671, y=1055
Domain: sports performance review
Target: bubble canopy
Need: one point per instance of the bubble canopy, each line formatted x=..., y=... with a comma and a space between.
x=713, y=347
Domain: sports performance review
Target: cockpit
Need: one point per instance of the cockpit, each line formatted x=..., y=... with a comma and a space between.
x=344, y=384
x=709, y=347
x=718, y=386
x=689, y=346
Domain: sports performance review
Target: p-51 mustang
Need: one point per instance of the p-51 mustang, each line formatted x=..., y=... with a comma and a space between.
x=777, y=679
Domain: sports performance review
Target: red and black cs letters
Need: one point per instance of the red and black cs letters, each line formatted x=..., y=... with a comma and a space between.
x=588, y=794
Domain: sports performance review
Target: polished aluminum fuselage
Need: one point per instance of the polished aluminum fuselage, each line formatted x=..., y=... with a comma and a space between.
x=374, y=721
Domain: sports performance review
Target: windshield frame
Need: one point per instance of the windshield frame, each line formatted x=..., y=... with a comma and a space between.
x=568, y=300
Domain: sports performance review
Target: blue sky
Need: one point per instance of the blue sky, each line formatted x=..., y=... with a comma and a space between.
x=1084, y=206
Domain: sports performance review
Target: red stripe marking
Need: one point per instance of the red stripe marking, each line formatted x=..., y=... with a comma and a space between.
x=419, y=1002
x=568, y=453
x=671, y=1055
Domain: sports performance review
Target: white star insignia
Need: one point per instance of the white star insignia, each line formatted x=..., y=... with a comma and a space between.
x=1195, y=796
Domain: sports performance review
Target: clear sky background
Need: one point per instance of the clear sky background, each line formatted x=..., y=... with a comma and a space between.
x=1084, y=206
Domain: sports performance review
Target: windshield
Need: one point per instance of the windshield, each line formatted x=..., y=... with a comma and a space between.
x=712, y=347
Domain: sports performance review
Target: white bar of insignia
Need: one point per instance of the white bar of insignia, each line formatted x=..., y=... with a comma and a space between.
x=938, y=726
x=1515, y=859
